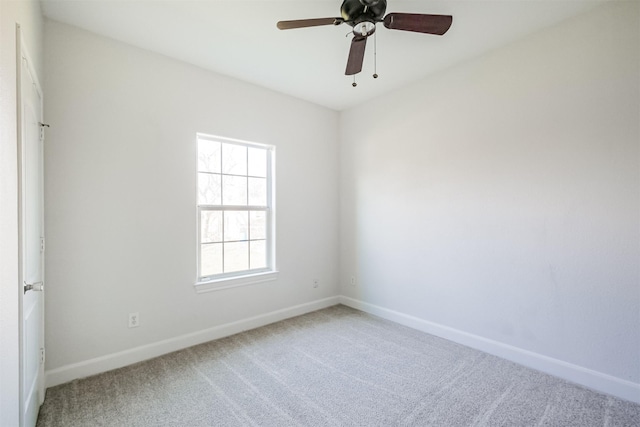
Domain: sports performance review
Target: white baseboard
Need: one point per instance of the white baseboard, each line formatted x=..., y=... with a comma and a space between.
x=577, y=374
x=586, y=377
x=124, y=358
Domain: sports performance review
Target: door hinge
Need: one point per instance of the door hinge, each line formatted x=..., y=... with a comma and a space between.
x=42, y=245
x=42, y=356
x=42, y=126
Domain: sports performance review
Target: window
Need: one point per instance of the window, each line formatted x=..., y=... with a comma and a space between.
x=235, y=209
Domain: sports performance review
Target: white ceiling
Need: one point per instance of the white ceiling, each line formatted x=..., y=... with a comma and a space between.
x=239, y=38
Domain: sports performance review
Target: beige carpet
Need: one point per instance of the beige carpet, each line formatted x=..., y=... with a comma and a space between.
x=334, y=367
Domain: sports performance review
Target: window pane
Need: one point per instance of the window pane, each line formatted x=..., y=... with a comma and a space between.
x=234, y=159
x=210, y=259
x=234, y=190
x=236, y=256
x=236, y=225
x=258, y=254
x=257, y=191
x=232, y=176
x=257, y=162
x=209, y=189
x=208, y=156
x=258, y=221
x=210, y=226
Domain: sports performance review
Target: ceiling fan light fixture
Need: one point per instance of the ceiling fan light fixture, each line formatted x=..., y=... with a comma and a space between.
x=364, y=29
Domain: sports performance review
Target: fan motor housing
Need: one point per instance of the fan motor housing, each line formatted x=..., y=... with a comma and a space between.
x=356, y=11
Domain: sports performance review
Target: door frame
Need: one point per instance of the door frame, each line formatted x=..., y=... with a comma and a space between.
x=22, y=56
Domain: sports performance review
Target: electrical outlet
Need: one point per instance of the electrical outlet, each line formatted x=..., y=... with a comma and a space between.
x=134, y=320
x=316, y=282
x=353, y=280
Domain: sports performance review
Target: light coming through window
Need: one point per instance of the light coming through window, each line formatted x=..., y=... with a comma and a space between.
x=235, y=208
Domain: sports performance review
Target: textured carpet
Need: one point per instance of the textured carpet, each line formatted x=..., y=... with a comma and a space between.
x=334, y=367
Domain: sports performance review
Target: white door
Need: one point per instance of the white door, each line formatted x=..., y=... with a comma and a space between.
x=31, y=243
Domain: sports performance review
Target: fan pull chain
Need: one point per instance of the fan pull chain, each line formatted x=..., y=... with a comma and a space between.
x=354, y=84
x=375, y=55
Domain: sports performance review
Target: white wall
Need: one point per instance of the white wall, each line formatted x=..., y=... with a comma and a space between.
x=120, y=196
x=499, y=200
x=27, y=14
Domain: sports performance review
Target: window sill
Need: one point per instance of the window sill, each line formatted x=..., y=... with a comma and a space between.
x=234, y=282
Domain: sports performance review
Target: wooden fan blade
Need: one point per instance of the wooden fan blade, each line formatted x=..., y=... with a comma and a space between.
x=356, y=56
x=303, y=23
x=419, y=23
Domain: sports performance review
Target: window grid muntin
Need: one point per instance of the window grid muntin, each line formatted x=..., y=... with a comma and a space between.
x=268, y=209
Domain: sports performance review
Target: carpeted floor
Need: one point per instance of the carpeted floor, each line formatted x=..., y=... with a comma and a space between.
x=334, y=367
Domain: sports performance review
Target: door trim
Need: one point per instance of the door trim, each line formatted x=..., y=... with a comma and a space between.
x=22, y=57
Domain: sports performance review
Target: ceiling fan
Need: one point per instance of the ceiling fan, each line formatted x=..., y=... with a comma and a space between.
x=363, y=15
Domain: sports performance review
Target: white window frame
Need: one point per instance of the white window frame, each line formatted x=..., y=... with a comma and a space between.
x=244, y=277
